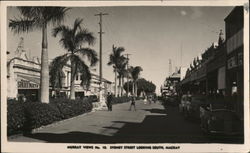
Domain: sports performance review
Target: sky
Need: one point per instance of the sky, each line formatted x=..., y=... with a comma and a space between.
x=151, y=34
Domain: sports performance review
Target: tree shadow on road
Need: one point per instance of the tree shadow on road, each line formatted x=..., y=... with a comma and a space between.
x=153, y=129
x=154, y=110
x=71, y=137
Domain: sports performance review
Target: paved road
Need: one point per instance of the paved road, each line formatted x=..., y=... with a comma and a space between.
x=151, y=123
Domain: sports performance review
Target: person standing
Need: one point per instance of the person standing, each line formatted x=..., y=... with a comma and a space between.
x=132, y=103
x=109, y=102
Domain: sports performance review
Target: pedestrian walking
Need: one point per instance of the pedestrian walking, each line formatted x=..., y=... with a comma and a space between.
x=109, y=101
x=132, y=103
x=149, y=99
x=145, y=100
x=154, y=98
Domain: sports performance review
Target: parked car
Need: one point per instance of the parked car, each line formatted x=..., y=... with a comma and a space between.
x=185, y=99
x=220, y=121
x=193, y=106
x=172, y=100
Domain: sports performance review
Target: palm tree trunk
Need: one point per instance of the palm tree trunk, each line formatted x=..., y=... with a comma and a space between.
x=72, y=81
x=119, y=87
x=44, y=75
x=133, y=88
x=136, y=89
x=122, y=86
x=115, y=82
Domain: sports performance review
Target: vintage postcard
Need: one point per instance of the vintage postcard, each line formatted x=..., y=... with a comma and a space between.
x=127, y=76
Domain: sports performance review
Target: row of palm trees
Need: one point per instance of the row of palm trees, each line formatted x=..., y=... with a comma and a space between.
x=119, y=63
x=72, y=39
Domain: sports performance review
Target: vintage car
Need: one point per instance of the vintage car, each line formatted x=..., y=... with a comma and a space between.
x=193, y=106
x=220, y=121
x=185, y=99
x=172, y=100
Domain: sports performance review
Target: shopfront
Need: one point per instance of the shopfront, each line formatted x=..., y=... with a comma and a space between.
x=234, y=71
x=23, y=79
x=235, y=83
x=28, y=87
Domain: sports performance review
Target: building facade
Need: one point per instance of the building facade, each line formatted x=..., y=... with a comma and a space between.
x=209, y=76
x=81, y=91
x=170, y=84
x=23, y=79
x=234, y=68
x=221, y=69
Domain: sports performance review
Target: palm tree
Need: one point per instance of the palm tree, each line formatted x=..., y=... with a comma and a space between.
x=39, y=18
x=135, y=72
x=114, y=59
x=121, y=69
x=72, y=40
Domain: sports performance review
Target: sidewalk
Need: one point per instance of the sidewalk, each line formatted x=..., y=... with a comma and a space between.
x=99, y=123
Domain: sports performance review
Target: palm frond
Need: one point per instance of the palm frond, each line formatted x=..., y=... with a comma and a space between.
x=121, y=67
x=118, y=61
x=121, y=62
x=82, y=68
x=77, y=25
x=56, y=72
x=90, y=53
x=34, y=13
x=21, y=25
x=54, y=15
x=30, y=12
x=84, y=36
x=66, y=37
x=36, y=17
x=119, y=50
x=71, y=41
x=67, y=44
x=111, y=60
x=135, y=72
x=109, y=63
x=64, y=30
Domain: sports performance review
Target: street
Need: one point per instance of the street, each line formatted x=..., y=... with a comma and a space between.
x=150, y=123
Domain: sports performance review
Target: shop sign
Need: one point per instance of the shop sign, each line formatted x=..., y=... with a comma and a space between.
x=24, y=84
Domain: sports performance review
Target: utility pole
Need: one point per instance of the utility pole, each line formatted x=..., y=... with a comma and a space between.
x=127, y=74
x=100, y=58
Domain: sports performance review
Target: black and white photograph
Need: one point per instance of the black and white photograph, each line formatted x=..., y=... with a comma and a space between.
x=95, y=76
